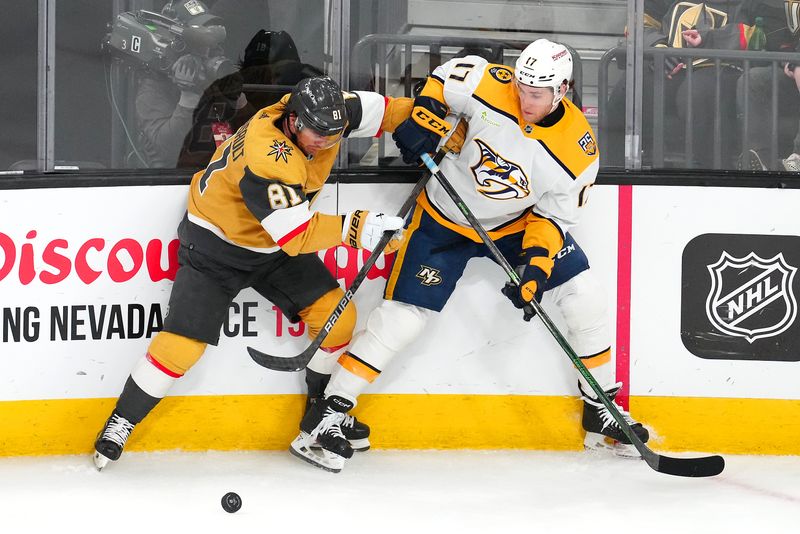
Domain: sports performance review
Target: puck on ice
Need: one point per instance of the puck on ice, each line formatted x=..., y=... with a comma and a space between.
x=231, y=502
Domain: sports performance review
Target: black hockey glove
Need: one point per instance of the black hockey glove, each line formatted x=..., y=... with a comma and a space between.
x=532, y=281
x=421, y=132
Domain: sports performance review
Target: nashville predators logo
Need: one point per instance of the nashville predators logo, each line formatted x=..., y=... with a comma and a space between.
x=497, y=178
x=588, y=145
x=501, y=74
x=280, y=150
x=429, y=276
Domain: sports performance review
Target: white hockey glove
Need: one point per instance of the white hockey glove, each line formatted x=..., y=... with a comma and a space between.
x=363, y=229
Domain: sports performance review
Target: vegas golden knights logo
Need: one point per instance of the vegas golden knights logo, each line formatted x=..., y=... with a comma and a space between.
x=429, y=276
x=280, y=150
x=693, y=16
x=751, y=297
x=792, y=8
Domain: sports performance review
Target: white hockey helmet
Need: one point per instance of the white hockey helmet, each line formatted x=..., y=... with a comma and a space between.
x=544, y=63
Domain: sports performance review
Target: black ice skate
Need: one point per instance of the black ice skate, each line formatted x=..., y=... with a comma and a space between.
x=602, y=430
x=111, y=440
x=321, y=441
x=356, y=432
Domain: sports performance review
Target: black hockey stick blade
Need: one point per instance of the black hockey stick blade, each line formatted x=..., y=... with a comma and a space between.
x=297, y=363
x=705, y=466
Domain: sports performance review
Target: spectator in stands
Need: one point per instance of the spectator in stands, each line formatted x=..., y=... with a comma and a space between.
x=778, y=21
x=673, y=24
x=712, y=18
x=792, y=162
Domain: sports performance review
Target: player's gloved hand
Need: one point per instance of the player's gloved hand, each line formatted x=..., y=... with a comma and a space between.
x=510, y=291
x=457, y=138
x=421, y=132
x=363, y=229
x=532, y=280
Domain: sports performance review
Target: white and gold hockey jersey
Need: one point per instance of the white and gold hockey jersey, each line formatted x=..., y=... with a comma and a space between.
x=513, y=175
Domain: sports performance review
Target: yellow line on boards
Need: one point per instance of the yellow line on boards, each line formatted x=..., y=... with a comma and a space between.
x=399, y=421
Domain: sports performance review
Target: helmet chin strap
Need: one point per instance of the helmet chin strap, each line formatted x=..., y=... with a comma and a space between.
x=558, y=95
x=287, y=130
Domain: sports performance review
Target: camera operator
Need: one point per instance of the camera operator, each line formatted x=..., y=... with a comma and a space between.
x=166, y=99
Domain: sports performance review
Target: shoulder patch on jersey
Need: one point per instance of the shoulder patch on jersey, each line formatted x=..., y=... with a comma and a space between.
x=280, y=150
x=497, y=177
x=588, y=144
x=501, y=74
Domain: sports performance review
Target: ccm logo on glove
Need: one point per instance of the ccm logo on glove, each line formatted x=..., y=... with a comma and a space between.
x=429, y=121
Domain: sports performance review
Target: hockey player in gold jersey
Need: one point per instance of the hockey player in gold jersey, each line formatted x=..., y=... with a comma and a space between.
x=525, y=170
x=249, y=224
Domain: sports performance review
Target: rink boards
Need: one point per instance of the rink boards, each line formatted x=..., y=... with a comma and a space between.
x=701, y=288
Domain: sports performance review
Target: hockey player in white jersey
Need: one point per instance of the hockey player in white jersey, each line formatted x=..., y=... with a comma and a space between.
x=526, y=166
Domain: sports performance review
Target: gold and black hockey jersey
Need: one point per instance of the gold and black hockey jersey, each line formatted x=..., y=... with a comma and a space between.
x=254, y=197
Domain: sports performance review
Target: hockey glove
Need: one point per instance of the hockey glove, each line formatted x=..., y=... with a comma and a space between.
x=421, y=132
x=363, y=229
x=457, y=138
x=531, y=286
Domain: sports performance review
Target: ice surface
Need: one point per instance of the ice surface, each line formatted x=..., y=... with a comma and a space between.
x=395, y=491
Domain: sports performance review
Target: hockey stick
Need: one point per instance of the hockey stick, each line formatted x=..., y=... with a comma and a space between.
x=685, y=467
x=299, y=362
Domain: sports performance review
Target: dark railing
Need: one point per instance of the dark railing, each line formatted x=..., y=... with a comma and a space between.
x=372, y=55
x=655, y=65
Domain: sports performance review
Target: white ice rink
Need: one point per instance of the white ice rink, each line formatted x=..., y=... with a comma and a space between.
x=395, y=491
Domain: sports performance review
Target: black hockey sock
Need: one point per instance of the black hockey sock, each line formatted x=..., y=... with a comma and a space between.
x=316, y=382
x=134, y=404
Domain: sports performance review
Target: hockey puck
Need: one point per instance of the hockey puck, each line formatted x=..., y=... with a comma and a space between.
x=231, y=502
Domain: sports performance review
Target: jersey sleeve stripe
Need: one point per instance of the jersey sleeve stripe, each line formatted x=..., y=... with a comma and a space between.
x=373, y=107
x=560, y=163
x=385, y=105
x=284, y=224
x=288, y=237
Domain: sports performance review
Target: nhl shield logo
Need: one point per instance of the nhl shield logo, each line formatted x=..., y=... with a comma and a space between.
x=751, y=297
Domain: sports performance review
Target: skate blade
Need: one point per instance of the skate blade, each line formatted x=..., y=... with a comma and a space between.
x=600, y=443
x=100, y=461
x=360, y=445
x=316, y=456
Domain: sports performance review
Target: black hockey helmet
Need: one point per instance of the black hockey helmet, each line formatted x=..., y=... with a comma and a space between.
x=319, y=106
